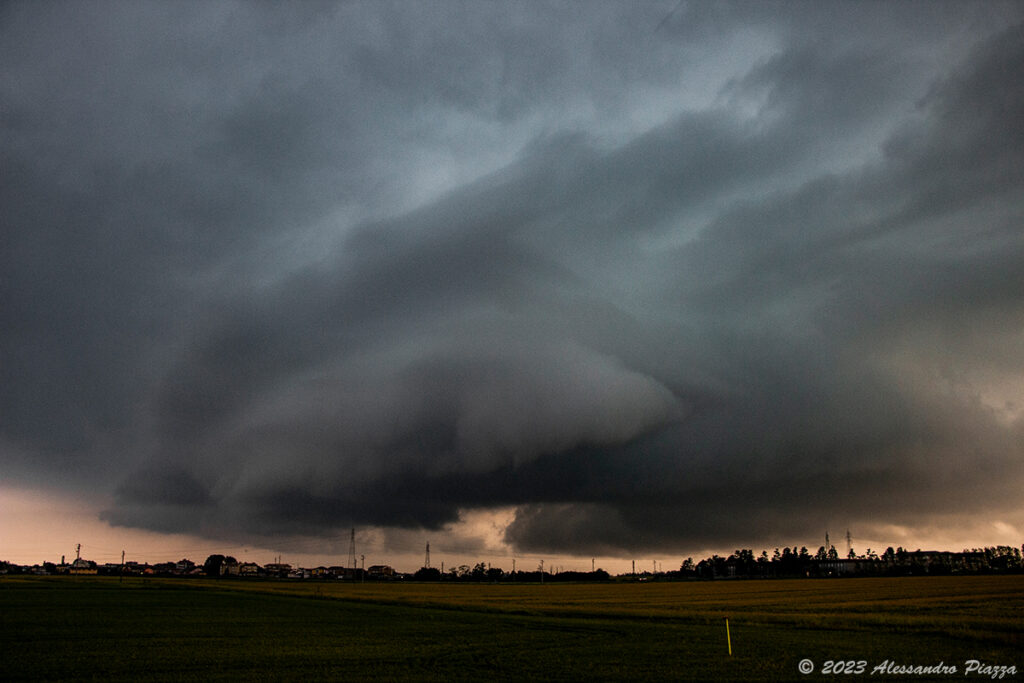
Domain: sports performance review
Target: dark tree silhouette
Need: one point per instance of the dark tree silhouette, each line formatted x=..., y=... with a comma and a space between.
x=213, y=564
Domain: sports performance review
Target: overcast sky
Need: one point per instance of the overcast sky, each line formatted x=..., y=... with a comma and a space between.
x=615, y=278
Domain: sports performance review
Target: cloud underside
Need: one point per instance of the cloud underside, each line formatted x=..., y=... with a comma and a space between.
x=734, y=326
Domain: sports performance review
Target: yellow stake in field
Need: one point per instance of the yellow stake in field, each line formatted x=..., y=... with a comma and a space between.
x=728, y=640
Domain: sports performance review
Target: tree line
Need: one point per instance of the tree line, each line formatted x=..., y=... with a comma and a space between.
x=792, y=562
x=484, y=572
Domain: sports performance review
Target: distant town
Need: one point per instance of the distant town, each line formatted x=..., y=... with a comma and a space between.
x=742, y=564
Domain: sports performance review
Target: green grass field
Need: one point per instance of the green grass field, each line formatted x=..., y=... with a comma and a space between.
x=61, y=628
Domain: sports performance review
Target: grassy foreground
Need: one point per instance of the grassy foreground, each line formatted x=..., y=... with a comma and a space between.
x=63, y=628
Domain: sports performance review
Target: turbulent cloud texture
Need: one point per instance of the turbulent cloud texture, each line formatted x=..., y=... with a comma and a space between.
x=655, y=277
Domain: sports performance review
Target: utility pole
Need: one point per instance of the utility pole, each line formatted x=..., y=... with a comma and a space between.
x=592, y=565
x=362, y=574
x=352, y=553
x=542, y=571
x=426, y=561
x=121, y=578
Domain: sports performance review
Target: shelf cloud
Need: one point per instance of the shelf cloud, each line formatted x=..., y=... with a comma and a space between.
x=654, y=278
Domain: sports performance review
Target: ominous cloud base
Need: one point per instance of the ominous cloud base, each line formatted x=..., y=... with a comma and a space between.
x=317, y=283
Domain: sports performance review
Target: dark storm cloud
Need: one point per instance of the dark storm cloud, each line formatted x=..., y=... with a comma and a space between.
x=823, y=279
x=280, y=271
x=168, y=486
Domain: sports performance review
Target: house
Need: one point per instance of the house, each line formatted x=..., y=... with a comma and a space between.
x=80, y=566
x=842, y=566
x=348, y=573
x=277, y=569
x=248, y=569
